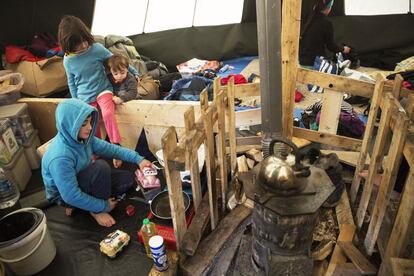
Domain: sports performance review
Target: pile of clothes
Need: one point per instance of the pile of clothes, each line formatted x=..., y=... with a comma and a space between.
x=349, y=122
x=406, y=69
x=43, y=46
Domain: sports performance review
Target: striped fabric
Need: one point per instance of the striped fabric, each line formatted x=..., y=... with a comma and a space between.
x=323, y=65
x=317, y=106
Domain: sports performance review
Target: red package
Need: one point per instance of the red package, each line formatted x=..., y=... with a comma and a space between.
x=130, y=210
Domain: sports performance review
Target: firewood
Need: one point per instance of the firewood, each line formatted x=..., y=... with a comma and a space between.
x=242, y=164
x=255, y=154
x=250, y=163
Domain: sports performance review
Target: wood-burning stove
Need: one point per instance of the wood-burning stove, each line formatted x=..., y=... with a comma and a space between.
x=284, y=216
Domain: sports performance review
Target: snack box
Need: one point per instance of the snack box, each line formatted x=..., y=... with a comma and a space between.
x=114, y=242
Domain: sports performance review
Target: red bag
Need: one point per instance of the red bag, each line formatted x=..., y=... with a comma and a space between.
x=14, y=54
x=238, y=79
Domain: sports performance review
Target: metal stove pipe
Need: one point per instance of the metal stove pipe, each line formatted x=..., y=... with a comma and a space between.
x=269, y=43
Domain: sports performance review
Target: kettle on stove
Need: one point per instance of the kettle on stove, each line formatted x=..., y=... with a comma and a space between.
x=283, y=172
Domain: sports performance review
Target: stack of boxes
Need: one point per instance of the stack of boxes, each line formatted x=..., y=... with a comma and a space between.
x=18, y=143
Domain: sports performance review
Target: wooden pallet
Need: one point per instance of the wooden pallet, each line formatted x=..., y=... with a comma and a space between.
x=201, y=132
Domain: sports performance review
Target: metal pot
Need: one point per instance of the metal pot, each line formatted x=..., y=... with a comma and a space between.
x=160, y=205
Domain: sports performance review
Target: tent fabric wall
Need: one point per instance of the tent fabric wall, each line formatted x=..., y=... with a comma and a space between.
x=20, y=20
x=386, y=37
x=216, y=42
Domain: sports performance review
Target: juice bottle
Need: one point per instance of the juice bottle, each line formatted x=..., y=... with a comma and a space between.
x=148, y=230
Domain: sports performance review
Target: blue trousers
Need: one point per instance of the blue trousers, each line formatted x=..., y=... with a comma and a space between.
x=102, y=181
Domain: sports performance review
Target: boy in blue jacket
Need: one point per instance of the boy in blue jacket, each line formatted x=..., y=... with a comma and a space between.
x=71, y=178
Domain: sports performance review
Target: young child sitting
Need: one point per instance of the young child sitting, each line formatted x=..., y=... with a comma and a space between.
x=71, y=178
x=123, y=82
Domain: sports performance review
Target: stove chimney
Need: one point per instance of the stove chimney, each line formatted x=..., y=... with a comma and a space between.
x=269, y=43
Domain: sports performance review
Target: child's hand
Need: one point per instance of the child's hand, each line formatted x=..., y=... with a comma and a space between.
x=117, y=100
x=144, y=163
x=117, y=163
x=137, y=78
x=112, y=203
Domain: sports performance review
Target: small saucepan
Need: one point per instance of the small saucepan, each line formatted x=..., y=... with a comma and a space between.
x=160, y=205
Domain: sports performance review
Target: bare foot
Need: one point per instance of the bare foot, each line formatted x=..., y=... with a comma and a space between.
x=377, y=177
x=103, y=219
x=117, y=163
x=69, y=211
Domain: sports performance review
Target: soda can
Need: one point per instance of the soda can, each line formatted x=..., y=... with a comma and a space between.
x=159, y=254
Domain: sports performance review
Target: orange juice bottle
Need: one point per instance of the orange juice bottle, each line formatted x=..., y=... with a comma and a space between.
x=148, y=230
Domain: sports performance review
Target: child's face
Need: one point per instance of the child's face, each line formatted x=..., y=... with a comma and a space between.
x=119, y=75
x=85, y=129
x=81, y=47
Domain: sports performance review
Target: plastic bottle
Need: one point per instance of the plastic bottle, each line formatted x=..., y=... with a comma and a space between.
x=9, y=193
x=148, y=230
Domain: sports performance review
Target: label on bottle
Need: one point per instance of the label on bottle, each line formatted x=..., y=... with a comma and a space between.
x=10, y=141
x=5, y=156
x=5, y=185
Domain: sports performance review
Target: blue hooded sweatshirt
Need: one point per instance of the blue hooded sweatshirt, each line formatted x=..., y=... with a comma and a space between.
x=66, y=156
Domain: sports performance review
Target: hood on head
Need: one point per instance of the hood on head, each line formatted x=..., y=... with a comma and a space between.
x=70, y=115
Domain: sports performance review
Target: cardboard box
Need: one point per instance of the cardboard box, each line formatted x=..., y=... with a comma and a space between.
x=42, y=77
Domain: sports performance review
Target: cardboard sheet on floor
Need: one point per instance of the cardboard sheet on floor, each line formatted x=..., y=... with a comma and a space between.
x=77, y=240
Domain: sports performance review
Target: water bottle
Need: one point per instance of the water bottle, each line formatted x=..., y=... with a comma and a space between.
x=9, y=193
x=148, y=230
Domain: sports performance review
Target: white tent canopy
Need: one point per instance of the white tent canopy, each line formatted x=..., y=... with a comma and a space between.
x=377, y=7
x=145, y=16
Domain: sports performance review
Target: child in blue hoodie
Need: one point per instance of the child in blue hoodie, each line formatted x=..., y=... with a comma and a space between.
x=71, y=178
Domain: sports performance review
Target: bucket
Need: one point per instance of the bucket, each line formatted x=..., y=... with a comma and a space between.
x=25, y=244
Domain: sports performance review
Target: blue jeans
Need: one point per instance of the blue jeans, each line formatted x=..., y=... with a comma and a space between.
x=102, y=181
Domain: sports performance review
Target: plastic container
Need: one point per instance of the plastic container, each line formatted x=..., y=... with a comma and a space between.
x=159, y=254
x=9, y=192
x=10, y=86
x=18, y=170
x=30, y=151
x=25, y=243
x=8, y=143
x=20, y=121
x=114, y=242
x=148, y=230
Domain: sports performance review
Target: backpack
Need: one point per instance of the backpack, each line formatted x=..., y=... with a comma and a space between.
x=148, y=88
x=167, y=81
x=189, y=89
x=156, y=69
x=41, y=43
x=349, y=124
